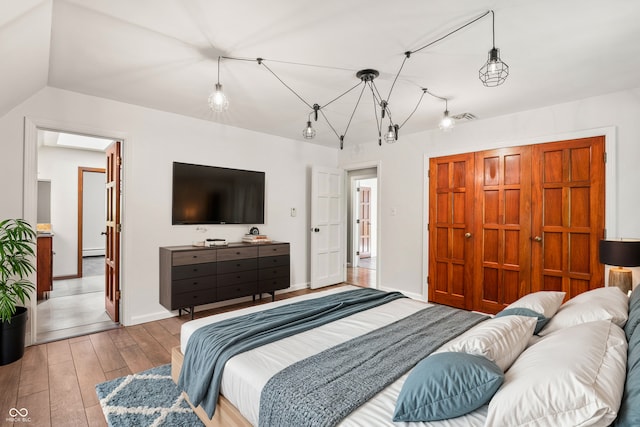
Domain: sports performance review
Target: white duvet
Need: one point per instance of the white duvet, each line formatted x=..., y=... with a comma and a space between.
x=246, y=374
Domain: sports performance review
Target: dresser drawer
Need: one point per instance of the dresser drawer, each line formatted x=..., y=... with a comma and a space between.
x=227, y=254
x=237, y=291
x=193, y=298
x=193, y=270
x=273, y=261
x=270, y=285
x=273, y=250
x=237, y=277
x=237, y=265
x=270, y=273
x=194, y=257
x=193, y=284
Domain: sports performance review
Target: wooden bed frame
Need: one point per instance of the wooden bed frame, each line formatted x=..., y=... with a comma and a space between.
x=226, y=414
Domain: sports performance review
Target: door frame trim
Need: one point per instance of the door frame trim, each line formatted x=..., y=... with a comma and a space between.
x=81, y=171
x=611, y=189
x=349, y=167
x=30, y=192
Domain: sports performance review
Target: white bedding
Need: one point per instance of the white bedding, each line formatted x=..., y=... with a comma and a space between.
x=246, y=374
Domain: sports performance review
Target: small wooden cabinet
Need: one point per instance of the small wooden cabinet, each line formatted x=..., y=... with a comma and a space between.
x=44, y=264
x=191, y=276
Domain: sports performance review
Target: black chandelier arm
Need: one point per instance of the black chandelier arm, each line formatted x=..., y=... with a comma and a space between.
x=340, y=96
x=406, y=56
x=261, y=62
x=424, y=91
x=353, y=112
x=375, y=114
x=326, y=119
x=450, y=33
x=379, y=100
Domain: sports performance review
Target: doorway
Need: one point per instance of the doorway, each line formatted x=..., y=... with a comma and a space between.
x=362, y=227
x=75, y=302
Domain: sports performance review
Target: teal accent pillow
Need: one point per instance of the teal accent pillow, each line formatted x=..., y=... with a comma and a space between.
x=520, y=311
x=634, y=313
x=447, y=385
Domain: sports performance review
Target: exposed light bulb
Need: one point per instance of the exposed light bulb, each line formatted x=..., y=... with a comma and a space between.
x=494, y=72
x=218, y=101
x=390, y=135
x=308, y=132
x=447, y=122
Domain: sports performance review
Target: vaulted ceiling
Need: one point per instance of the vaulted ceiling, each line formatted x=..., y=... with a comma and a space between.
x=163, y=55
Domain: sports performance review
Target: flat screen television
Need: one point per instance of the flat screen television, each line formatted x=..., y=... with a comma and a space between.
x=215, y=195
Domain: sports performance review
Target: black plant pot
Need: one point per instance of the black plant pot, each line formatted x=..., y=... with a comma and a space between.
x=12, y=337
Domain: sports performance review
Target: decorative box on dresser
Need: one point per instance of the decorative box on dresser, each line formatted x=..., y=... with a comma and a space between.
x=191, y=276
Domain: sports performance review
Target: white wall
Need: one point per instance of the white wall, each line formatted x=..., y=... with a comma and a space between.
x=403, y=185
x=60, y=166
x=152, y=141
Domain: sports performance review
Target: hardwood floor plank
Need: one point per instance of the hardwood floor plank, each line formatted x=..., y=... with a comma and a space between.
x=95, y=416
x=88, y=370
x=38, y=406
x=10, y=381
x=65, y=398
x=172, y=324
x=58, y=352
x=121, y=338
x=112, y=375
x=136, y=360
x=34, y=376
x=108, y=354
x=154, y=351
x=162, y=335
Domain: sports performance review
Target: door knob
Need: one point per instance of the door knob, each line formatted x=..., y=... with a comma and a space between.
x=104, y=233
x=538, y=239
x=467, y=235
x=315, y=230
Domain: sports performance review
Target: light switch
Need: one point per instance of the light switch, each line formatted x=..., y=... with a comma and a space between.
x=294, y=212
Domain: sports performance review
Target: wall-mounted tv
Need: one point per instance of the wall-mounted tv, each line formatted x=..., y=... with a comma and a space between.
x=215, y=195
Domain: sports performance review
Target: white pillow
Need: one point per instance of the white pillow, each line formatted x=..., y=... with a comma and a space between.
x=543, y=302
x=608, y=303
x=501, y=339
x=570, y=378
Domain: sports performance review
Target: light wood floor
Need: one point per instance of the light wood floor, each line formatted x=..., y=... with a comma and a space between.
x=56, y=381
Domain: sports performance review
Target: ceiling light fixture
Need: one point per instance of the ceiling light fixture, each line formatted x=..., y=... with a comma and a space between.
x=495, y=71
x=218, y=101
x=447, y=122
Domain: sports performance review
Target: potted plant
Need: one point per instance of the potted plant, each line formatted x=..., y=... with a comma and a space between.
x=17, y=241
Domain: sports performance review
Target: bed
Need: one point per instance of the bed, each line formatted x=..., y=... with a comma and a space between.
x=578, y=353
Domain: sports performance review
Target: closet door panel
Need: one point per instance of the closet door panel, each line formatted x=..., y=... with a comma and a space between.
x=503, y=192
x=451, y=181
x=568, y=215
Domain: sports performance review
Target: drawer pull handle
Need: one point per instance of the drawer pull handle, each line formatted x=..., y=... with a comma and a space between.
x=195, y=256
x=195, y=283
x=237, y=253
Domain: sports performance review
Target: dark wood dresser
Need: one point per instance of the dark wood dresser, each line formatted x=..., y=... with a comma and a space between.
x=191, y=276
x=44, y=265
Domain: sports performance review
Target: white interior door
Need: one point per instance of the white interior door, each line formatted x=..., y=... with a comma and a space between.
x=327, y=227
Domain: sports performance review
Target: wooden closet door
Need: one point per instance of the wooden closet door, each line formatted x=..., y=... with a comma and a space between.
x=568, y=215
x=451, y=181
x=501, y=237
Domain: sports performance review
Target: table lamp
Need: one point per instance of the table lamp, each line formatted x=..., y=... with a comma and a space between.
x=620, y=254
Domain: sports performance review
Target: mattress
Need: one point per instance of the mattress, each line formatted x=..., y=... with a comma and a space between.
x=246, y=374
